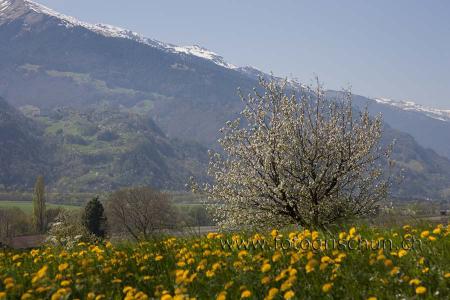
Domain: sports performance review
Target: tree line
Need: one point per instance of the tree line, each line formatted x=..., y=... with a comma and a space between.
x=135, y=212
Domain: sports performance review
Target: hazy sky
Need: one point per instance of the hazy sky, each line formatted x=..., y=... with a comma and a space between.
x=383, y=48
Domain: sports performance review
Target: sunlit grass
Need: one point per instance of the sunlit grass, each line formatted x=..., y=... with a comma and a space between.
x=201, y=268
x=27, y=206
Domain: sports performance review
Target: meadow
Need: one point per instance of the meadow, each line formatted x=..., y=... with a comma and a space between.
x=240, y=266
x=27, y=206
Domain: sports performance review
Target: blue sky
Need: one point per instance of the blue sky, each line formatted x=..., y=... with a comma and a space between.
x=395, y=49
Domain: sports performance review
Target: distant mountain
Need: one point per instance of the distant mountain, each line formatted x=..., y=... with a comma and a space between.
x=430, y=127
x=61, y=60
x=419, y=173
x=49, y=61
x=99, y=149
x=438, y=114
x=103, y=148
x=23, y=154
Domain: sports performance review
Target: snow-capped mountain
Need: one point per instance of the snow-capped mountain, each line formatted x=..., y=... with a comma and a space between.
x=49, y=61
x=438, y=114
x=10, y=9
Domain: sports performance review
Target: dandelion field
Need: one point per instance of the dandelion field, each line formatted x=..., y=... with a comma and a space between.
x=205, y=268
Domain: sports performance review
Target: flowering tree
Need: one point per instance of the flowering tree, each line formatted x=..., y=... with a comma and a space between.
x=297, y=159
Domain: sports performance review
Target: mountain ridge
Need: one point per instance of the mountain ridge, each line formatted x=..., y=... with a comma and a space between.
x=195, y=50
x=45, y=65
x=21, y=7
x=407, y=105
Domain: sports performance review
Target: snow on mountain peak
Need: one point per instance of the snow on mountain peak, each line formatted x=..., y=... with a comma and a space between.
x=199, y=51
x=14, y=8
x=4, y=4
x=438, y=114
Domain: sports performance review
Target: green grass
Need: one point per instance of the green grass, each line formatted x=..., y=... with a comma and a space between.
x=27, y=206
x=200, y=267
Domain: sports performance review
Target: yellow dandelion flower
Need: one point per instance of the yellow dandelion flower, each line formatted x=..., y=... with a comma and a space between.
x=421, y=290
x=272, y=293
x=158, y=257
x=327, y=287
x=425, y=234
x=65, y=283
x=352, y=231
x=242, y=253
x=447, y=275
x=257, y=237
x=289, y=295
x=381, y=257
x=216, y=266
x=265, y=280
x=40, y=274
x=372, y=298
x=286, y=285
x=314, y=235
x=276, y=257
x=222, y=296
x=414, y=281
x=265, y=268
x=181, y=264
x=388, y=263
x=58, y=277
x=394, y=271
x=166, y=297
x=63, y=267
x=437, y=230
x=26, y=296
x=325, y=260
x=402, y=253
x=246, y=294
x=274, y=233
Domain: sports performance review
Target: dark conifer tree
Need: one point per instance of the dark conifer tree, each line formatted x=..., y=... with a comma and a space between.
x=94, y=218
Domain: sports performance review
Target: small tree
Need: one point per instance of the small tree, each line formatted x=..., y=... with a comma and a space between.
x=94, y=218
x=140, y=212
x=39, y=220
x=13, y=221
x=303, y=160
x=68, y=230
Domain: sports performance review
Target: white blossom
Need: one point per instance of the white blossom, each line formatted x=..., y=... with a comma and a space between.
x=298, y=159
